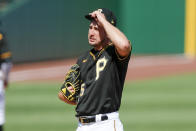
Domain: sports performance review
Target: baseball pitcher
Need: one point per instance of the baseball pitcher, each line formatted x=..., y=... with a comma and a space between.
x=100, y=75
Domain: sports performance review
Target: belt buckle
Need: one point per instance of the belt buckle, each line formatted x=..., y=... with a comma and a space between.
x=82, y=120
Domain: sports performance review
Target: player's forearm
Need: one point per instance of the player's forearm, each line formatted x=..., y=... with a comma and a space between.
x=61, y=97
x=119, y=40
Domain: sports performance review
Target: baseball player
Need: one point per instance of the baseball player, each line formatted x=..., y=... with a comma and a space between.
x=5, y=66
x=103, y=70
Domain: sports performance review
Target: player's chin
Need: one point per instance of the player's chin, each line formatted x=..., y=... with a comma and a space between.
x=93, y=43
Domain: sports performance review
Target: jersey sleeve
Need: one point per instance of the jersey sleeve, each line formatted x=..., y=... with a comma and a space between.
x=122, y=59
x=119, y=59
x=121, y=63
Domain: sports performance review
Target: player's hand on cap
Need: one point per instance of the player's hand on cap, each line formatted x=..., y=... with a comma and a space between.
x=98, y=16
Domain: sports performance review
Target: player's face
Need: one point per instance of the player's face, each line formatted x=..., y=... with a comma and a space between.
x=96, y=34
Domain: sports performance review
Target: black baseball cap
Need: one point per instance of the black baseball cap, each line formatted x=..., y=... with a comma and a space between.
x=108, y=14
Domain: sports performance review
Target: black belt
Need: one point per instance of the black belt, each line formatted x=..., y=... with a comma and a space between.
x=86, y=119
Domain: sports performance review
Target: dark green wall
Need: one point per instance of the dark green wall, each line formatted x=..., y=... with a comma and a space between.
x=48, y=29
x=154, y=26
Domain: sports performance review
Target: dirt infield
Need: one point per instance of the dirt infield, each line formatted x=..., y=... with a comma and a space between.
x=140, y=67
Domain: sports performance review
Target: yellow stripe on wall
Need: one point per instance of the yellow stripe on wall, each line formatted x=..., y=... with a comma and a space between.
x=190, y=28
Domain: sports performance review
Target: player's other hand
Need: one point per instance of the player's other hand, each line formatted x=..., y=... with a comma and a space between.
x=71, y=89
x=64, y=99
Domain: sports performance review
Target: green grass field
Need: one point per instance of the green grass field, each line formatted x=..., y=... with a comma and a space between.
x=161, y=104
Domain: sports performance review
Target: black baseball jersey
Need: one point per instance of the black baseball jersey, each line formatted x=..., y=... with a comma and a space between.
x=103, y=75
x=5, y=54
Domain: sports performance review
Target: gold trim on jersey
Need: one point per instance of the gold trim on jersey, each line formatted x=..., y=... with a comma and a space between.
x=119, y=57
x=100, y=51
x=92, y=55
x=110, y=44
x=5, y=55
x=84, y=61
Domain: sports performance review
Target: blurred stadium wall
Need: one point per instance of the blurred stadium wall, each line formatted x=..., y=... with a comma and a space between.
x=47, y=29
x=154, y=26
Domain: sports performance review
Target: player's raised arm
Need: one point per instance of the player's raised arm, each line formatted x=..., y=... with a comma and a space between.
x=119, y=40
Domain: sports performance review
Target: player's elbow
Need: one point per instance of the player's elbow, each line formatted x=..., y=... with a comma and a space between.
x=126, y=45
x=124, y=49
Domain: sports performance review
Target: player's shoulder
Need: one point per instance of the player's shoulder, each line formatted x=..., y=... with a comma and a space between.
x=83, y=56
x=110, y=49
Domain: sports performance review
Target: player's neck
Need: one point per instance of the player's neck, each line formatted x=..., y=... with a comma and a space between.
x=102, y=45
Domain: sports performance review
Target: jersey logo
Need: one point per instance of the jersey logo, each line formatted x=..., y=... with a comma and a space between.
x=100, y=65
x=84, y=61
